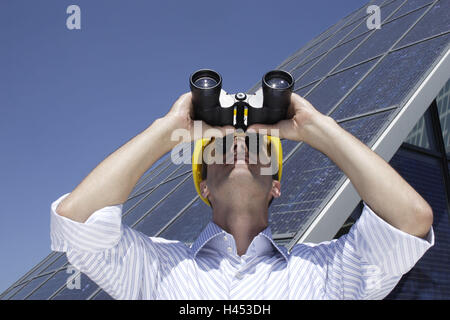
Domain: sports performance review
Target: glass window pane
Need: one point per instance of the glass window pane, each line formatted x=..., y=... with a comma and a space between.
x=422, y=133
x=429, y=278
x=443, y=105
x=434, y=22
x=392, y=81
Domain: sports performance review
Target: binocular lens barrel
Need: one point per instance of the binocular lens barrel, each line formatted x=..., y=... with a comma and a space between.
x=205, y=87
x=278, y=79
x=206, y=79
x=205, y=82
x=277, y=88
x=278, y=83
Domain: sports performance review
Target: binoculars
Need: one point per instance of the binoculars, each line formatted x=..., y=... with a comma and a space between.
x=216, y=107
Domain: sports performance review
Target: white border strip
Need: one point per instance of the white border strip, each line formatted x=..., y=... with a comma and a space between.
x=337, y=210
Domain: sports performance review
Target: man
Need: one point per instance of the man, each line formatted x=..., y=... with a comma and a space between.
x=235, y=256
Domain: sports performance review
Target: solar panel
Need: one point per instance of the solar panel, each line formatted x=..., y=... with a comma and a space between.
x=333, y=41
x=326, y=64
x=310, y=177
x=300, y=70
x=156, y=194
x=190, y=224
x=381, y=40
x=155, y=169
x=7, y=295
x=435, y=22
x=58, y=263
x=49, y=287
x=29, y=287
x=169, y=208
x=385, y=11
x=102, y=295
x=87, y=287
x=333, y=88
x=45, y=265
x=411, y=5
x=391, y=82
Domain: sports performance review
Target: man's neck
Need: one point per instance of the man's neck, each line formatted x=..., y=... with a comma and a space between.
x=243, y=222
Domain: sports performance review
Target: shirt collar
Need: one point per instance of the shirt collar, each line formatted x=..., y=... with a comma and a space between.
x=262, y=243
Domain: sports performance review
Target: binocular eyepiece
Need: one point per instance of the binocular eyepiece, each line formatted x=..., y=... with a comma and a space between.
x=218, y=108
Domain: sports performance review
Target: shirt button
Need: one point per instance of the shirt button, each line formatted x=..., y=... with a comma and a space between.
x=229, y=249
x=225, y=238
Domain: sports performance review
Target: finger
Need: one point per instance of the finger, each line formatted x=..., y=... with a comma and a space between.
x=263, y=128
x=280, y=129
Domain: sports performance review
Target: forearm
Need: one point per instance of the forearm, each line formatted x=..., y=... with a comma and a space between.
x=378, y=184
x=112, y=181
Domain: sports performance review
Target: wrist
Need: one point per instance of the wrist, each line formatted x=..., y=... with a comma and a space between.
x=319, y=131
x=165, y=128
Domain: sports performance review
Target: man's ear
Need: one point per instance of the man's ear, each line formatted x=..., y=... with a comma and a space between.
x=276, y=189
x=204, y=189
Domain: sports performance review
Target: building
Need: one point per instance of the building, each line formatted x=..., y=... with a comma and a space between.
x=388, y=87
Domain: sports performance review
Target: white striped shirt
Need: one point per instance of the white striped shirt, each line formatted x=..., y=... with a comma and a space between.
x=366, y=263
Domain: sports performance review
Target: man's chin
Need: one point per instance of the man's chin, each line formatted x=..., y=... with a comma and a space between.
x=242, y=173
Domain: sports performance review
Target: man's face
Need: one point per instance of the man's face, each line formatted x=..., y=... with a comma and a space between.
x=241, y=175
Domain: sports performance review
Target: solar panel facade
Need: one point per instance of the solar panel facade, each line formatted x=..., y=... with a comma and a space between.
x=363, y=79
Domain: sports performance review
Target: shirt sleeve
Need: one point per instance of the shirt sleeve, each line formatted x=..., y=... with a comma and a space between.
x=368, y=262
x=110, y=253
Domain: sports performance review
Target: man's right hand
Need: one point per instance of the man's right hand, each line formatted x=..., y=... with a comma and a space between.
x=112, y=181
x=181, y=116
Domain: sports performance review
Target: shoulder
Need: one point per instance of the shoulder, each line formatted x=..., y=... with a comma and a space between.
x=324, y=252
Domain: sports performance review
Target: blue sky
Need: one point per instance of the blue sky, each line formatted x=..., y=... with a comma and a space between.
x=69, y=98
